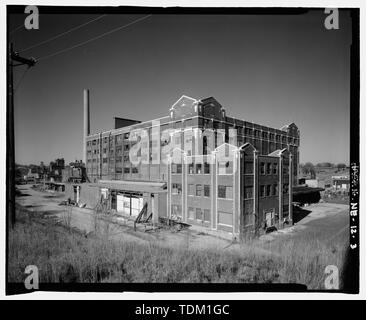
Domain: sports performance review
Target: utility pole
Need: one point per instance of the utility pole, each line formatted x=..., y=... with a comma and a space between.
x=10, y=150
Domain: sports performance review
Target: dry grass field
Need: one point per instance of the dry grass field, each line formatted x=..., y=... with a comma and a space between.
x=63, y=254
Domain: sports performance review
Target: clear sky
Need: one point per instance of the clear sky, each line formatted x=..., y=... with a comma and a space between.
x=269, y=69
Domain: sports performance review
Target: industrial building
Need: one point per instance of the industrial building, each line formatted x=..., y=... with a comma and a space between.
x=196, y=166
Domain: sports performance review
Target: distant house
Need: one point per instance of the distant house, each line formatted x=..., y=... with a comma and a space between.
x=341, y=182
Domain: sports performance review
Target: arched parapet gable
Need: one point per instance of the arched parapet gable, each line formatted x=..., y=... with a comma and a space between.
x=184, y=107
x=291, y=129
x=226, y=147
x=211, y=108
x=247, y=148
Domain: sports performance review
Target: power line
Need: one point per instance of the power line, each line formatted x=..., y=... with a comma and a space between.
x=20, y=80
x=16, y=29
x=92, y=39
x=63, y=33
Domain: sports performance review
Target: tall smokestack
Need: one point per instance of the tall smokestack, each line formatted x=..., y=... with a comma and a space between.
x=86, y=121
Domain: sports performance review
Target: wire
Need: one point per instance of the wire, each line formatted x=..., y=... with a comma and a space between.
x=92, y=39
x=20, y=80
x=63, y=33
x=16, y=29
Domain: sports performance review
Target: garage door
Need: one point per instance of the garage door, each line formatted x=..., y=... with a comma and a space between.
x=129, y=205
x=136, y=205
x=123, y=204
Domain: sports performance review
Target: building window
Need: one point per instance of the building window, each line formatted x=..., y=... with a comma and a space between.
x=191, y=168
x=248, y=167
x=207, y=215
x=176, y=188
x=262, y=191
x=269, y=168
x=263, y=168
x=225, y=192
x=206, y=168
x=271, y=136
x=199, y=190
x=176, y=210
x=248, y=192
x=225, y=218
x=274, y=168
x=127, y=147
x=198, y=214
x=265, y=135
x=199, y=168
x=268, y=190
x=135, y=170
x=225, y=167
x=179, y=168
x=127, y=135
x=274, y=190
x=285, y=169
x=126, y=170
x=191, y=189
x=206, y=190
x=285, y=188
x=105, y=160
x=190, y=213
x=176, y=168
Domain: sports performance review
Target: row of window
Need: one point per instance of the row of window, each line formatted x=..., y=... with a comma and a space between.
x=199, y=190
x=268, y=168
x=247, y=132
x=272, y=190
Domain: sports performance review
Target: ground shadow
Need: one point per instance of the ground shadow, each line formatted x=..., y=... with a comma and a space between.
x=299, y=213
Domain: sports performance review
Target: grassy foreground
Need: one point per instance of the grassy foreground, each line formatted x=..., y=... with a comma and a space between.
x=62, y=255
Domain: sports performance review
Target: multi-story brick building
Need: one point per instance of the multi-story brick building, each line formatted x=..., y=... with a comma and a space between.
x=197, y=165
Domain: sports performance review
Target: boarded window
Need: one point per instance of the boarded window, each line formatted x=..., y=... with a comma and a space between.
x=191, y=189
x=191, y=213
x=176, y=210
x=225, y=218
x=207, y=215
x=198, y=214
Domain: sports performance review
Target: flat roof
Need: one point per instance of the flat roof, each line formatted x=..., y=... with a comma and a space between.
x=134, y=186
